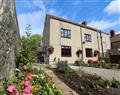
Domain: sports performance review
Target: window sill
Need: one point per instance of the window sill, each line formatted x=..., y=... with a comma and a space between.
x=89, y=56
x=88, y=41
x=66, y=37
x=66, y=56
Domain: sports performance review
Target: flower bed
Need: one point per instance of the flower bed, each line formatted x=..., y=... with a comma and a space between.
x=100, y=64
x=32, y=82
x=86, y=84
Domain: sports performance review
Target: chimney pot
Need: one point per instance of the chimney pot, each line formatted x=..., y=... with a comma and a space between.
x=84, y=23
x=112, y=33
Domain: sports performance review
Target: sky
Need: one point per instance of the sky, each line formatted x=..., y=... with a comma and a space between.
x=100, y=14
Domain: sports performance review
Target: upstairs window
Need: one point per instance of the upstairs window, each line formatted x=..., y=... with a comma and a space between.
x=65, y=33
x=66, y=51
x=87, y=37
x=89, y=52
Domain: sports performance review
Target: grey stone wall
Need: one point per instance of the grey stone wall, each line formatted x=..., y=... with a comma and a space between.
x=9, y=38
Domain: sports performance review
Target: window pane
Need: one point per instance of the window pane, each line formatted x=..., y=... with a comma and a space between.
x=87, y=37
x=69, y=33
x=65, y=33
x=66, y=51
x=89, y=52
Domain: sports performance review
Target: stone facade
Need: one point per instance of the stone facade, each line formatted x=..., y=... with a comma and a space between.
x=9, y=38
x=52, y=36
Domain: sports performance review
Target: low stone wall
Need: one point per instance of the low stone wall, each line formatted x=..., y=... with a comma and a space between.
x=9, y=38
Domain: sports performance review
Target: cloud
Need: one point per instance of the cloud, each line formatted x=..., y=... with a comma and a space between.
x=103, y=24
x=113, y=7
x=40, y=4
x=35, y=18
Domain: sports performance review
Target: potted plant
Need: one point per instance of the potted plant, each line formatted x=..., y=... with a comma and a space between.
x=50, y=50
x=78, y=52
x=96, y=52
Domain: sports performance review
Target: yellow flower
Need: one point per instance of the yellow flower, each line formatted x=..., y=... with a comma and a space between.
x=36, y=88
x=49, y=79
x=0, y=87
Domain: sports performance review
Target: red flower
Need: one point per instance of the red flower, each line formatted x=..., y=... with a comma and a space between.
x=26, y=72
x=21, y=84
x=92, y=62
x=20, y=75
x=30, y=76
x=95, y=62
x=96, y=52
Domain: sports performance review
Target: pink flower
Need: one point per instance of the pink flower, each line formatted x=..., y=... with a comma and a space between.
x=27, y=83
x=11, y=89
x=28, y=88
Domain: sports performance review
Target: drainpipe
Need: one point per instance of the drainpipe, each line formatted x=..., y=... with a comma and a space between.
x=98, y=41
x=101, y=43
x=81, y=42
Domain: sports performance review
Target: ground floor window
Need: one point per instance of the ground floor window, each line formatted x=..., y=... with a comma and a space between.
x=89, y=52
x=66, y=51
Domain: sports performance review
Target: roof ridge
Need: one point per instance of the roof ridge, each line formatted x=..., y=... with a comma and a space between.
x=72, y=22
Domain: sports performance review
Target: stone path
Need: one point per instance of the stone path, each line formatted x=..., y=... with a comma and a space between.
x=60, y=84
x=104, y=73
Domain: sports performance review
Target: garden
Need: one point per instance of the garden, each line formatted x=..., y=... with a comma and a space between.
x=86, y=84
x=102, y=62
x=29, y=80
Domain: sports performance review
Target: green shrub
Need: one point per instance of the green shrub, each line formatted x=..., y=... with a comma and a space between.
x=115, y=83
x=37, y=71
x=62, y=66
x=112, y=83
x=30, y=46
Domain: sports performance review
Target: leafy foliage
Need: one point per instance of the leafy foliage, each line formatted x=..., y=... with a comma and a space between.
x=30, y=46
x=62, y=66
x=78, y=52
x=112, y=83
x=41, y=83
x=89, y=84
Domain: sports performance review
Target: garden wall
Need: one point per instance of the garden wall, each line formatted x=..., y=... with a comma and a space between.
x=9, y=37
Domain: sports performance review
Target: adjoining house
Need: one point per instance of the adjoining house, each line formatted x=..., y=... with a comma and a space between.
x=66, y=37
x=115, y=47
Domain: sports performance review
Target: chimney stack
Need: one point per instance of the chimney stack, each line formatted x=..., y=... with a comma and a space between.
x=112, y=33
x=84, y=23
